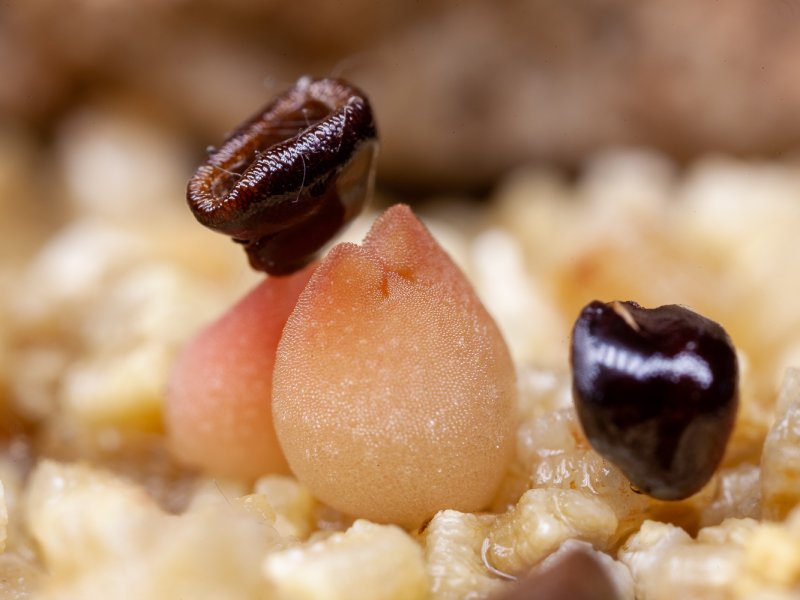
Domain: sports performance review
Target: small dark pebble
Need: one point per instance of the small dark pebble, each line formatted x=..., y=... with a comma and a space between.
x=576, y=576
x=656, y=391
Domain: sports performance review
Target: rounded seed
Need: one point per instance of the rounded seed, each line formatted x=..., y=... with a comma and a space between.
x=656, y=393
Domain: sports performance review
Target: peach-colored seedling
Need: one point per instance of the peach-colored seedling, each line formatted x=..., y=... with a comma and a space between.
x=218, y=411
x=394, y=391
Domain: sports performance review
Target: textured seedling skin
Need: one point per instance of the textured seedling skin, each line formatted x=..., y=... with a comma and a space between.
x=656, y=391
x=218, y=411
x=394, y=391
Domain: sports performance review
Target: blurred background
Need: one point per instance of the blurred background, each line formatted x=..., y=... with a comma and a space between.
x=105, y=99
x=464, y=90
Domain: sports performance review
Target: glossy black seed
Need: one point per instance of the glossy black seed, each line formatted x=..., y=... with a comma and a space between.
x=287, y=180
x=656, y=391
